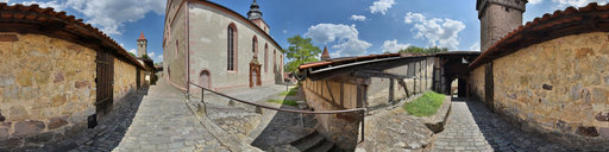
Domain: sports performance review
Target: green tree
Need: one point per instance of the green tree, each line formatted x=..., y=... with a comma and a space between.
x=300, y=51
x=415, y=49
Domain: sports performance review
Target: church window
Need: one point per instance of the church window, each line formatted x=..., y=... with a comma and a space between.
x=266, y=58
x=255, y=46
x=232, y=48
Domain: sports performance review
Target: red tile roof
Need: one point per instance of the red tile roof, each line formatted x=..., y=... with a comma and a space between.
x=592, y=18
x=33, y=19
x=142, y=37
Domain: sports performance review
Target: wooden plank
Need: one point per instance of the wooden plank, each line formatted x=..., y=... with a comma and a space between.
x=373, y=73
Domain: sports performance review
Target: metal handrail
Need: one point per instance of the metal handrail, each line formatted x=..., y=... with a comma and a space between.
x=280, y=109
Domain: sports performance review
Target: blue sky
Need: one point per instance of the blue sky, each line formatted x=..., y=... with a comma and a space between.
x=347, y=27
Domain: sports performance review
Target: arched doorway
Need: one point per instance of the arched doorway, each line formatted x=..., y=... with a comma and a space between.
x=255, y=75
x=205, y=79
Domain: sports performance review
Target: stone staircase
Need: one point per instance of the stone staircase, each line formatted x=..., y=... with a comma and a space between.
x=314, y=142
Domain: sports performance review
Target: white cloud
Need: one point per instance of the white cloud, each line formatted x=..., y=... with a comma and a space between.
x=381, y=6
x=475, y=46
x=535, y=1
x=441, y=32
x=577, y=3
x=4, y=1
x=57, y=6
x=346, y=38
x=284, y=31
x=393, y=46
x=133, y=51
x=358, y=17
x=109, y=15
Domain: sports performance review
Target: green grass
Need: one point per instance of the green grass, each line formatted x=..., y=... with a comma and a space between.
x=285, y=102
x=426, y=105
x=290, y=92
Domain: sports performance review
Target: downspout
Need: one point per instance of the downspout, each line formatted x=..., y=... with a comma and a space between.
x=187, y=48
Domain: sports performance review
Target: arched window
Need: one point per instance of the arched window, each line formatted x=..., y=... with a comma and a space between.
x=255, y=46
x=275, y=61
x=231, y=61
x=266, y=57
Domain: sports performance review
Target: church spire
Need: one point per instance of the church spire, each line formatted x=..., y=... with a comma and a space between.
x=325, y=55
x=254, y=12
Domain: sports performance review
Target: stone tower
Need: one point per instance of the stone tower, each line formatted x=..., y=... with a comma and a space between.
x=325, y=55
x=142, y=44
x=498, y=18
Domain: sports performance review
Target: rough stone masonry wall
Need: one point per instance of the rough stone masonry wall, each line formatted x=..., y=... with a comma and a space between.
x=559, y=87
x=47, y=89
x=125, y=77
x=476, y=82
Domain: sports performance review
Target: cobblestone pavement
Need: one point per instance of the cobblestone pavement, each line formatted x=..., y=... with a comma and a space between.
x=472, y=127
x=164, y=123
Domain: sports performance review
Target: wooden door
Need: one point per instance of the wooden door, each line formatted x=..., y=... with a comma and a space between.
x=104, y=83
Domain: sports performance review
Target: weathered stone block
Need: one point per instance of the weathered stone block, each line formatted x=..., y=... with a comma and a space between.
x=28, y=127
x=602, y=116
x=58, y=100
x=6, y=81
x=40, y=138
x=11, y=143
x=2, y=118
x=587, y=131
x=547, y=87
x=56, y=123
x=25, y=78
x=58, y=78
x=17, y=112
x=81, y=84
x=563, y=126
x=4, y=134
x=604, y=132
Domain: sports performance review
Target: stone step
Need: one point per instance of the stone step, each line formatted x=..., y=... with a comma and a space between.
x=323, y=147
x=309, y=141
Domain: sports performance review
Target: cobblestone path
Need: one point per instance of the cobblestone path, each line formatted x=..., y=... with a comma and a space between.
x=472, y=127
x=164, y=123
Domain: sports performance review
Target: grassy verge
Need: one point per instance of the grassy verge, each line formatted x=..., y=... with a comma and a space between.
x=426, y=105
x=290, y=92
x=285, y=102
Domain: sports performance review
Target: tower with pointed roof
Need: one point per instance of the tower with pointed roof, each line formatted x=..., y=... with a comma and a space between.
x=325, y=55
x=498, y=18
x=255, y=15
x=142, y=45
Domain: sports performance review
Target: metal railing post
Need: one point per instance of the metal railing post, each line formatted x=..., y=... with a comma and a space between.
x=203, y=101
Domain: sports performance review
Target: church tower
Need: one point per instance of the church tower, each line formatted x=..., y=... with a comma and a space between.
x=497, y=19
x=142, y=44
x=255, y=16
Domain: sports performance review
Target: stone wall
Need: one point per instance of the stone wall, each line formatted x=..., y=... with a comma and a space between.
x=559, y=87
x=476, y=83
x=47, y=89
x=497, y=21
x=125, y=77
x=175, y=48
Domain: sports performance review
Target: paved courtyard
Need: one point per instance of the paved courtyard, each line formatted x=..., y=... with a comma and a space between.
x=164, y=123
x=472, y=127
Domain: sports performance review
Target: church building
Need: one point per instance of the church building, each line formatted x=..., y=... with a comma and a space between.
x=213, y=46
